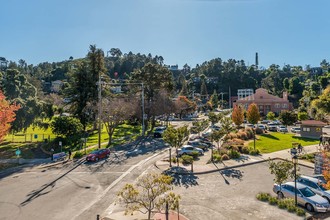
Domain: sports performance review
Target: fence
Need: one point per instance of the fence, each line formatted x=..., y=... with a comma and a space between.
x=24, y=138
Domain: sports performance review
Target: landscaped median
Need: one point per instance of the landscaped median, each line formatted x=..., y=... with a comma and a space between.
x=286, y=203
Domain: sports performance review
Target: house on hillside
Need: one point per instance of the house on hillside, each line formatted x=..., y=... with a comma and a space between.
x=56, y=86
x=266, y=102
x=311, y=128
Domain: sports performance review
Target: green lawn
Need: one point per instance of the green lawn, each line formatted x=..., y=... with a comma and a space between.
x=275, y=141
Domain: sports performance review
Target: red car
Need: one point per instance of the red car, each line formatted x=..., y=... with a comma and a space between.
x=96, y=155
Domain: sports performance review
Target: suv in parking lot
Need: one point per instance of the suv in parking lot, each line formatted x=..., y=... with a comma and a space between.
x=282, y=128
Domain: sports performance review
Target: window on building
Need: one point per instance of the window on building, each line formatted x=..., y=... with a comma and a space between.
x=277, y=105
x=306, y=129
x=284, y=105
x=318, y=129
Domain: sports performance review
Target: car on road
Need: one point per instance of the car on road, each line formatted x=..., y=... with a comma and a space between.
x=188, y=150
x=315, y=185
x=282, y=128
x=199, y=144
x=96, y=155
x=158, y=133
x=305, y=196
x=295, y=130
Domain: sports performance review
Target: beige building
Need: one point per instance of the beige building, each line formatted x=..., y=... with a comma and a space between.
x=266, y=102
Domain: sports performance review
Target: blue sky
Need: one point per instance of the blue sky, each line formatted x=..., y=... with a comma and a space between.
x=294, y=32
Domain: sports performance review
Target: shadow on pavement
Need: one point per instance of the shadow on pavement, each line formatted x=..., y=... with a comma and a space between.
x=181, y=176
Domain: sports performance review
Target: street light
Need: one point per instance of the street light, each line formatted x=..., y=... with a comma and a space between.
x=295, y=162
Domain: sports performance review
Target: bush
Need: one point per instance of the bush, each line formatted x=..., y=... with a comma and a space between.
x=272, y=200
x=249, y=133
x=291, y=208
x=238, y=141
x=242, y=135
x=254, y=151
x=263, y=196
x=225, y=157
x=187, y=159
x=245, y=150
x=78, y=154
x=259, y=131
x=300, y=211
x=234, y=154
x=216, y=157
x=173, y=160
x=281, y=204
x=194, y=155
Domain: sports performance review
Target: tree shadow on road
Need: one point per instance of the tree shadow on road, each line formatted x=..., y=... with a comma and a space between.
x=181, y=176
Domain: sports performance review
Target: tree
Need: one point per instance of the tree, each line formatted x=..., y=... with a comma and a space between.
x=175, y=137
x=184, y=105
x=115, y=52
x=288, y=117
x=155, y=78
x=216, y=136
x=302, y=116
x=213, y=118
x=66, y=126
x=83, y=89
x=271, y=116
x=7, y=115
x=148, y=194
x=322, y=103
x=214, y=100
x=184, y=89
x=116, y=111
x=282, y=170
x=238, y=115
x=203, y=90
x=226, y=126
x=253, y=116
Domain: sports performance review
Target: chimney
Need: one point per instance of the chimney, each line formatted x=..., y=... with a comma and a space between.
x=285, y=95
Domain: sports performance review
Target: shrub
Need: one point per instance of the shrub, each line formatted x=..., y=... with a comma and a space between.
x=173, y=160
x=78, y=154
x=245, y=150
x=254, y=151
x=242, y=135
x=223, y=151
x=225, y=157
x=263, y=196
x=272, y=200
x=234, y=154
x=291, y=208
x=281, y=204
x=216, y=157
x=187, y=159
x=300, y=211
x=249, y=133
x=259, y=131
x=238, y=141
x=194, y=155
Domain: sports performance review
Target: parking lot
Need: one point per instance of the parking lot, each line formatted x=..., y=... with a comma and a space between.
x=230, y=194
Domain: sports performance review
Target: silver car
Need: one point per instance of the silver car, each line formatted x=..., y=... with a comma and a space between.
x=188, y=150
x=315, y=185
x=305, y=196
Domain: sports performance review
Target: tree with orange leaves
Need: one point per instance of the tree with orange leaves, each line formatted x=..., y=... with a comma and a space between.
x=7, y=115
x=238, y=115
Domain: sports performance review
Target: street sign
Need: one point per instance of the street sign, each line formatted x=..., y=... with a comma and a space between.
x=18, y=152
x=60, y=143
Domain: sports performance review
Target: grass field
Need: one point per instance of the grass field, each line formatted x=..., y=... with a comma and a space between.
x=276, y=141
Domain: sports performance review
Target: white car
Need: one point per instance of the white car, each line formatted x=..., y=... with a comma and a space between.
x=295, y=130
x=315, y=185
x=188, y=150
x=282, y=128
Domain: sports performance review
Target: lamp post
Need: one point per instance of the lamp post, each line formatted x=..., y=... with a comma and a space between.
x=295, y=162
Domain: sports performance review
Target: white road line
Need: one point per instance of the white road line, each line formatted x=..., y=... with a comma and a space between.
x=100, y=196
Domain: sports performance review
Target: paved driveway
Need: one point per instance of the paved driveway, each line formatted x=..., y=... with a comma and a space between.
x=230, y=194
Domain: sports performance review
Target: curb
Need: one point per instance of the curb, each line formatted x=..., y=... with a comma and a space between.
x=230, y=167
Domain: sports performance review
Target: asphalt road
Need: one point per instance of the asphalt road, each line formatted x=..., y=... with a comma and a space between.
x=73, y=190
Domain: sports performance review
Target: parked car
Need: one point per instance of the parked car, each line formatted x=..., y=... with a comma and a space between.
x=188, y=150
x=315, y=185
x=261, y=126
x=159, y=132
x=305, y=196
x=204, y=141
x=249, y=126
x=320, y=177
x=197, y=137
x=198, y=144
x=271, y=127
x=215, y=127
x=295, y=130
x=282, y=128
x=96, y=155
x=207, y=133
